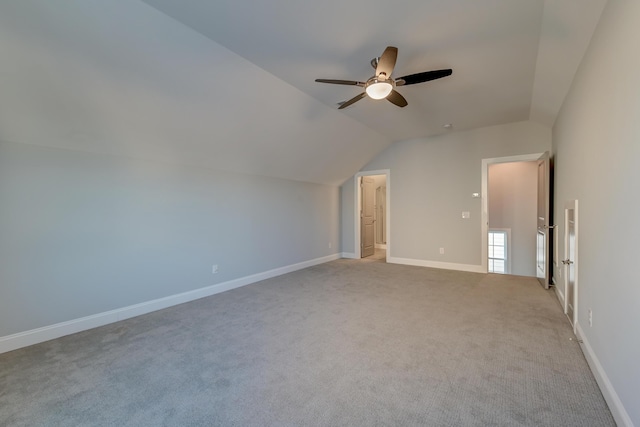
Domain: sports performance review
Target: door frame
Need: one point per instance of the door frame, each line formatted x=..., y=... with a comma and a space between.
x=485, y=199
x=358, y=206
x=571, y=205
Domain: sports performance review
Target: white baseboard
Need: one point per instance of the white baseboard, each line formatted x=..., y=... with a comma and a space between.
x=46, y=333
x=349, y=255
x=436, y=264
x=620, y=414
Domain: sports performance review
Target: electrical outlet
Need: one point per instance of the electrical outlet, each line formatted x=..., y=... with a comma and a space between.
x=441, y=251
x=214, y=269
x=590, y=317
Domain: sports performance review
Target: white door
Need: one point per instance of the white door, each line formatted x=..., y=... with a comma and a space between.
x=367, y=221
x=570, y=261
x=544, y=228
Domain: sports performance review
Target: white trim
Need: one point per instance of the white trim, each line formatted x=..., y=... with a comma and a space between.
x=484, y=221
x=618, y=411
x=357, y=202
x=349, y=255
x=436, y=264
x=46, y=333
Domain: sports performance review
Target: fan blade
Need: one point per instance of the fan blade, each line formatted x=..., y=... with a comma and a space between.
x=412, y=79
x=352, y=100
x=395, y=98
x=387, y=61
x=341, y=82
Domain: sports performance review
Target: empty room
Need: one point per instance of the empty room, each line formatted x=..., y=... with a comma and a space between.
x=322, y=214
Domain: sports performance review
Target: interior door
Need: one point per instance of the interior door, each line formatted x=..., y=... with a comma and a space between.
x=570, y=265
x=543, y=271
x=367, y=220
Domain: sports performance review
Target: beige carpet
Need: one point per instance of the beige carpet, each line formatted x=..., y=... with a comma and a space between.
x=343, y=343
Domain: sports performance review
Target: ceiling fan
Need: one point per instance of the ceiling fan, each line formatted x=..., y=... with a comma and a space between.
x=382, y=85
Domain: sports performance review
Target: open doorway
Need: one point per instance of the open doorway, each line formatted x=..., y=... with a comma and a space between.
x=512, y=204
x=515, y=215
x=372, y=197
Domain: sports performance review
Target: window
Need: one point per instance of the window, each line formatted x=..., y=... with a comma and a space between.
x=498, y=250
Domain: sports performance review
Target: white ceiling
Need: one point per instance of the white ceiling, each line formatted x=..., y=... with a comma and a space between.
x=230, y=84
x=508, y=57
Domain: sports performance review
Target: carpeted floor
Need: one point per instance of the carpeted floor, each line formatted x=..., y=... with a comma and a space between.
x=343, y=343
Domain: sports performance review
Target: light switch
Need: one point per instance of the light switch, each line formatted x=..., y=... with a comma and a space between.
x=466, y=215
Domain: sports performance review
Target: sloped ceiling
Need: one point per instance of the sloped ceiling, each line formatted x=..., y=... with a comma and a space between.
x=119, y=77
x=230, y=84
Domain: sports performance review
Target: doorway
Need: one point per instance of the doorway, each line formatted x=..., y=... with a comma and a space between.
x=512, y=202
x=372, y=219
x=512, y=199
x=367, y=216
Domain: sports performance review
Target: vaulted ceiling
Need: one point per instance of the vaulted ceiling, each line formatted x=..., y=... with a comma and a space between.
x=230, y=84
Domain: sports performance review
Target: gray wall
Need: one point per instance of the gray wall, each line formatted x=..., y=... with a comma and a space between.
x=513, y=204
x=431, y=183
x=596, y=144
x=84, y=233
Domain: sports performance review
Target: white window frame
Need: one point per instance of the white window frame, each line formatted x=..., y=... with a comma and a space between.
x=507, y=249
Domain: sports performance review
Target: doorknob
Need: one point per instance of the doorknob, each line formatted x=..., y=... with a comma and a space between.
x=567, y=261
x=549, y=226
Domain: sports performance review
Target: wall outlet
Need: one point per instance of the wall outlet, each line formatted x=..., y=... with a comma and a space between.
x=590, y=317
x=441, y=251
x=214, y=269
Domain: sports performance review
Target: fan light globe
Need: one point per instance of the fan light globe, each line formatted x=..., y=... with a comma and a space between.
x=378, y=90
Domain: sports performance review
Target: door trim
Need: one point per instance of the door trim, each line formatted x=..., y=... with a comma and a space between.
x=485, y=199
x=358, y=205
